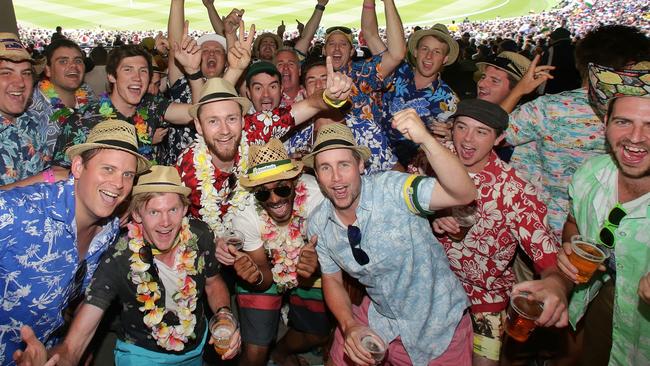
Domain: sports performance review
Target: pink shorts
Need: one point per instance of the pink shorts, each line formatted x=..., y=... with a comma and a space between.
x=458, y=353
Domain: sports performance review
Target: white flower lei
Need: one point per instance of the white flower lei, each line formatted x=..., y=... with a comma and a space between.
x=211, y=199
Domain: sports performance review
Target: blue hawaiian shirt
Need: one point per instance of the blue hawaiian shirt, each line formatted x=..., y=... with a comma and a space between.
x=39, y=259
x=22, y=149
x=413, y=292
x=434, y=103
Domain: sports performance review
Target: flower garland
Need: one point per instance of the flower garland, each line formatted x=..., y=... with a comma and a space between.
x=211, y=198
x=61, y=111
x=140, y=118
x=170, y=337
x=283, y=243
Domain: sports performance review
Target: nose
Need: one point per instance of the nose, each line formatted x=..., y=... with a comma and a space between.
x=165, y=219
x=468, y=136
x=336, y=176
x=637, y=133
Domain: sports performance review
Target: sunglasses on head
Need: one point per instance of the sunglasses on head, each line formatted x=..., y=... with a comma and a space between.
x=263, y=195
x=610, y=225
x=354, y=237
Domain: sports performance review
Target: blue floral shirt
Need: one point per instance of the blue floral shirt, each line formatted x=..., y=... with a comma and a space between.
x=413, y=292
x=39, y=258
x=22, y=149
x=434, y=103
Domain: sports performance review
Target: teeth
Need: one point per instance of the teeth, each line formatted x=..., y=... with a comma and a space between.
x=110, y=194
x=16, y=94
x=634, y=149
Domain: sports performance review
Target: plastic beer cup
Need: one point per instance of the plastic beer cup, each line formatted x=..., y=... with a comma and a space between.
x=466, y=218
x=222, y=327
x=586, y=256
x=372, y=343
x=521, y=316
x=235, y=238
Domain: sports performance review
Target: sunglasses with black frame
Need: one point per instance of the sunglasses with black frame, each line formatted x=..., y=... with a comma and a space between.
x=263, y=195
x=354, y=238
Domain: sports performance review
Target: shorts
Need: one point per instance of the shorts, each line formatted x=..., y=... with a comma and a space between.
x=259, y=313
x=488, y=334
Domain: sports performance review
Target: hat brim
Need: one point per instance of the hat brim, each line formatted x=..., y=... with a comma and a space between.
x=161, y=188
x=72, y=151
x=289, y=174
x=449, y=40
x=243, y=102
x=258, y=40
x=483, y=64
x=364, y=151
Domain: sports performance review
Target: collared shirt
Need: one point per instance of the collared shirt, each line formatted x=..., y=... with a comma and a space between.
x=413, y=292
x=178, y=137
x=38, y=245
x=76, y=128
x=287, y=101
x=433, y=103
x=111, y=281
x=553, y=135
x=509, y=214
x=594, y=192
x=366, y=107
x=22, y=148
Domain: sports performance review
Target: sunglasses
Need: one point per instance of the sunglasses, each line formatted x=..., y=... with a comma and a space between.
x=610, y=225
x=146, y=255
x=263, y=195
x=354, y=237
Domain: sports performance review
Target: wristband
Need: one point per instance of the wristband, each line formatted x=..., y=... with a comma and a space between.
x=333, y=104
x=261, y=279
x=196, y=76
x=320, y=7
x=48, y=175
x=368, y=6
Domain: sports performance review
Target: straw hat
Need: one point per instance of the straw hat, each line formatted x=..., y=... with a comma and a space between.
x=440, y=31
x=217, y=89
x=269, y=163
x=112, y=134
x=12, y=49
x=258, y=40
x=514, y=64
x=607, y=84
x=335, y=136
x=161, y=179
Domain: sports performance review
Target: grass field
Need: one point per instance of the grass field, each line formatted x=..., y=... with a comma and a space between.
x=266, y=14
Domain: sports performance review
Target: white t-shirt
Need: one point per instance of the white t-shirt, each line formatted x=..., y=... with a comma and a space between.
x=248, y=221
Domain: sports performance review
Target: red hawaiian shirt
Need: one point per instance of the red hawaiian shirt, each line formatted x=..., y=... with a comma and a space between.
x=509, y=213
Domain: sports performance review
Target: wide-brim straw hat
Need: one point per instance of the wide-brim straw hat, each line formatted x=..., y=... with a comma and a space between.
x=514, y=64
x=607, y=84
x=161, y=179
x=258, y=40
x=335, y=136
x=112, y=134
x=218, y=89
x=12, y=49
x=269, y=163
x=440, y=31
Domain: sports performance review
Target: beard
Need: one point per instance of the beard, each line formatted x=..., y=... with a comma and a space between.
x=224, y=152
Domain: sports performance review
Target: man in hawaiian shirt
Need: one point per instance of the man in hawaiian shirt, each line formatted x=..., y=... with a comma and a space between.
x=370, y=227
x=610, y=203
x=53, y=235
x=276, y=259
x=288, y=64
x=507, y=213
x=172, y=256
x=22, y=148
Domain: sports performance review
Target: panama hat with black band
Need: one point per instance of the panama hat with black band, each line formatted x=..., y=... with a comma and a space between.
x=216, y=90
x=335, y=136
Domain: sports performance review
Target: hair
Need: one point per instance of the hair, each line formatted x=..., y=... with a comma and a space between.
x=118, y=54
x=310, y=63
x=612, y=46
x=87, y=155
x=286, y=49
x=140, y=200
x=59, y=43
x=439, y=39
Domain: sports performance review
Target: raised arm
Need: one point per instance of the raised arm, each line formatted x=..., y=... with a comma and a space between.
x=534, y=77
x=454, y=186
x=215, y=19
x=370, y=28
x=307, y=34
x=239, y=54
x=395, y=38
x=175, y=34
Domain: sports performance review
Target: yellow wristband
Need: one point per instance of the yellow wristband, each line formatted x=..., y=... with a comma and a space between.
x=332, y=103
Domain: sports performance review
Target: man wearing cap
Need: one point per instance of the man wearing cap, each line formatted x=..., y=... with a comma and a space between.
x=160, y=270
x=53, y=235
x=22, y=146
x=368, y=77
x=371, y=228
x=277, y=260
x=507, y=214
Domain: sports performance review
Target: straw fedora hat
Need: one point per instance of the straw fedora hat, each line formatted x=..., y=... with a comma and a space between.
x=438, y=30
x=258, y=40
x=514, y=64
x=112, y=134
x=269, y=163
x=217, y=89
x=161, y=179
x=335, y=136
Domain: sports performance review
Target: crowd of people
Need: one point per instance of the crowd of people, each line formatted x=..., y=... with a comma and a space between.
x=403, y=185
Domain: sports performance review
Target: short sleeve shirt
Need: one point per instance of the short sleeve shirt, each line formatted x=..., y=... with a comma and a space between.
x=22, y=149
x=178, y=137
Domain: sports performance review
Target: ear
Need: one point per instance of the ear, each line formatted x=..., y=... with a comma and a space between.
x=362, y=166
x=135, y=214
x=111, y=79
x=248, y=95
x=445, y=59
x=77, y=167
x=197, y=124
x=48, y=71
x=185, y=210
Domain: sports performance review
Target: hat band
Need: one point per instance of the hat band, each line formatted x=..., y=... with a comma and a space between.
x=269, y=169
x=118, y=143
x=327, y=143
x=159, y=184
x=507, y=64
x=217, y=95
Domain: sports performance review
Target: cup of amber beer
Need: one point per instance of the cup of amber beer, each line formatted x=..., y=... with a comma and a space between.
x=521, y=316
x=586, y=256
x=223, y=326
x=372, y=343
x=466, y=218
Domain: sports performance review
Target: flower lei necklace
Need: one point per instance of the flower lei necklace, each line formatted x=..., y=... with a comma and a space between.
x=211, y=198
x=283, y=243
x=61, y=111
x=140, y=118
x=170, y=337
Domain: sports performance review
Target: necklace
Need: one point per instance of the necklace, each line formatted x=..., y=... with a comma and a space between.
x=139, y=119
x=61, y=111
x=170, y=337
x=283, y=243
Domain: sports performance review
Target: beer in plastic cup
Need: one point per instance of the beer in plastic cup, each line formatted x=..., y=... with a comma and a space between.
x=372, y=343
x=235, y=238
x=222, y=327
x=521, y=316
x=466, y=218
x=586, y=256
